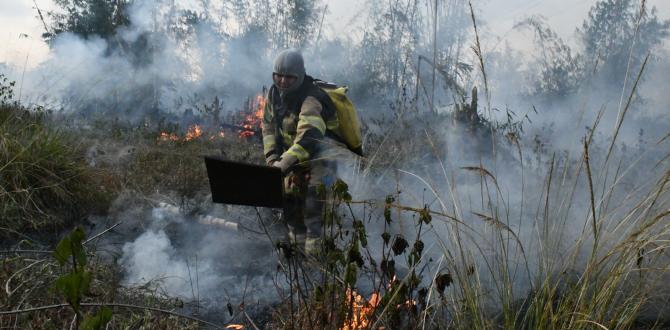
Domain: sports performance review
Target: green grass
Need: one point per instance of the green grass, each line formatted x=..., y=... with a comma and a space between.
x=44, y=180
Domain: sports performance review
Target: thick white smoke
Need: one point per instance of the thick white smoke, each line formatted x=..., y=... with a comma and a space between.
x=148, y=67
x=198, y=262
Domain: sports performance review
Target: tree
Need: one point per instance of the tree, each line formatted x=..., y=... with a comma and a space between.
x=302, y=21
x=559, y=72
x=387, y=51
x=617, y=30
x=88, y=18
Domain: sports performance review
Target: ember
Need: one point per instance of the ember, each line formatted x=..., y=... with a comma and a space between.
x=253, y=121
x=250, y=124
x=361, y=310
x=164, y=136
x=194, y=132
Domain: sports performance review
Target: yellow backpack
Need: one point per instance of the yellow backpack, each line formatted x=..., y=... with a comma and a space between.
x=348, y=126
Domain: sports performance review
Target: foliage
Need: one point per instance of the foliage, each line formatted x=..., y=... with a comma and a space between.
x=475, y=286
x=386, y=51
x=344, y=260
x=615, y=38
x=88, y=18
x=6, y=90
x=75, y=284
x=47, y=278
x=617, y=30
x=560, y=72
x=284, y=23
x=301, y=21
x=44, y=180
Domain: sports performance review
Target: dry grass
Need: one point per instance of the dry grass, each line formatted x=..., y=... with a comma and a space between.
x=607, y=275
x=611, y=274
x=44, y=180
x=610, y=287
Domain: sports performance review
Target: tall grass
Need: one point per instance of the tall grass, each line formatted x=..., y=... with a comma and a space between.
x=584, y=248
x=44, y=180
x=572, y=262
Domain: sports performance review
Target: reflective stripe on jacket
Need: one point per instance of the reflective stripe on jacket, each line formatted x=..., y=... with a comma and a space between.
x=294, y=125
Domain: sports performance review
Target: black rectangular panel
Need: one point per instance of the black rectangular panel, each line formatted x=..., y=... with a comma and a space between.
x=244, y=184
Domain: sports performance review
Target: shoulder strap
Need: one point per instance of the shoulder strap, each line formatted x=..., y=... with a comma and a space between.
x=324, y=84
x=277, y=116
x=275, y=98
x=321, y=95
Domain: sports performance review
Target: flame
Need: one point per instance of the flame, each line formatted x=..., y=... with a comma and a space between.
x=220, y=135
x=361, y=310
x=165, y=136
x=260, y=100
x=251, y=123
x=193, y=132
x=235, y=326
x=254, y=120
x=260, y=105
x=409, y=303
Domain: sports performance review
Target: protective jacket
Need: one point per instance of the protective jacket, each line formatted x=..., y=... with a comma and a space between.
x=294, y=125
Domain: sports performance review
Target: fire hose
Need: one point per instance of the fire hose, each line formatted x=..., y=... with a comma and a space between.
x=173, y=210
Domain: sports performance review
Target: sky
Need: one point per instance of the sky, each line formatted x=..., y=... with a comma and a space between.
x=20, y=29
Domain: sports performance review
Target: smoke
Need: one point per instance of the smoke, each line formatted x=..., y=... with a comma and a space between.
x=520, y=211
x=518, y=184
x=161, y=64
x=199, y=263
x=523, y=175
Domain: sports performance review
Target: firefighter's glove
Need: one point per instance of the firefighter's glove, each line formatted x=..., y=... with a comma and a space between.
x=270, y=160
x=285, y=163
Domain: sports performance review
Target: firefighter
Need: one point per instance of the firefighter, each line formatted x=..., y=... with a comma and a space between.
x=296, y=140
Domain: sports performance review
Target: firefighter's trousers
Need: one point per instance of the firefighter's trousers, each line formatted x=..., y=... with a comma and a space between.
x=303, y=208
